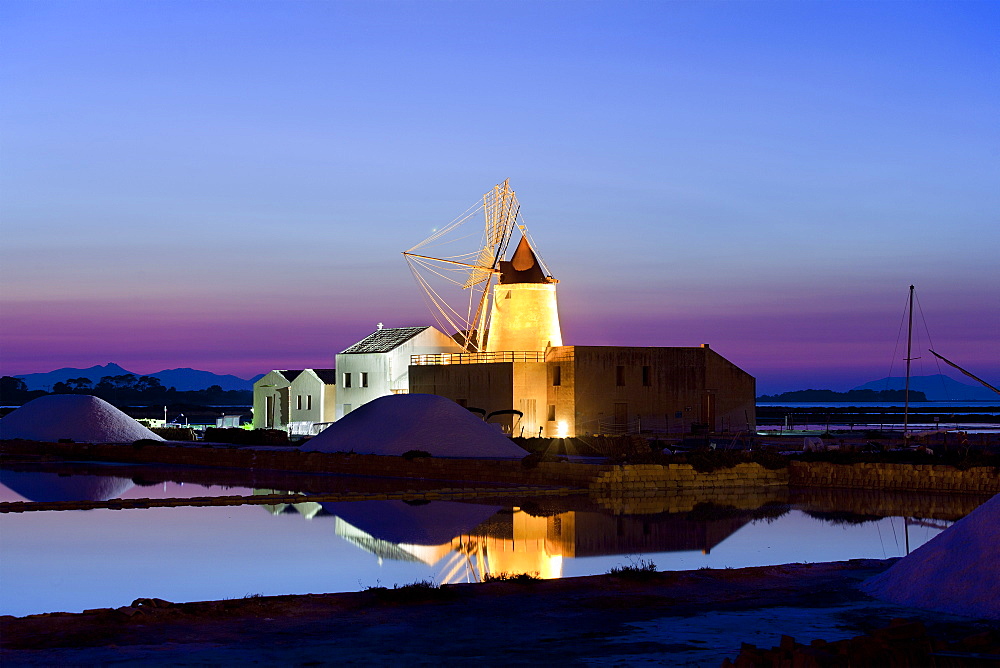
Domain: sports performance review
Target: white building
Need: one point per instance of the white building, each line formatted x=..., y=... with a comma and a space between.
x=295, y=399
x=379, y=364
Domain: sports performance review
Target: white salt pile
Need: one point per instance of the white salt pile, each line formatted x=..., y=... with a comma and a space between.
x=957, y=572
x=41, y=486
x=80, y=417
x=398, y=423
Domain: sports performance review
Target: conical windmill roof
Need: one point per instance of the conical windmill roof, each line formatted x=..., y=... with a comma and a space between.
x=955, y=572
x=79, y=417
x=523, y=266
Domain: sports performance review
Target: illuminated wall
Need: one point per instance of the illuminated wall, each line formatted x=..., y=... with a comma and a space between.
x=493, y=386
x=676, y=390
x=524, y=317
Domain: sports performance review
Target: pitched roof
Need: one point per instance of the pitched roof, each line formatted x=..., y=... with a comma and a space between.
x=384, y=340
x=328, y=376
x=290, y=374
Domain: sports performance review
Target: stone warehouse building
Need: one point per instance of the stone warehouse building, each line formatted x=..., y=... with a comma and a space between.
x=560, y=391
x=584, y=390
x=513, y=368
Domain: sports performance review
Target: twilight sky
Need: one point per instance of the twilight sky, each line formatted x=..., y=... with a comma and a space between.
x=228, y=185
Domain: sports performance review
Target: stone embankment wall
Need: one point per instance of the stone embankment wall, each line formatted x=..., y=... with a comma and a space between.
x=634, y=481
x=676, y=488
x=498, y=472
x=903, y=477
x=657, y=478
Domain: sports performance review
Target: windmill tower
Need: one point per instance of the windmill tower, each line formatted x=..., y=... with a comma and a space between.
x=524, y=315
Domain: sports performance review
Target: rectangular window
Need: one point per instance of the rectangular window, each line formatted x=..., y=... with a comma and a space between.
x=620, y=376
x=364, y=379
x=298, y=402
x=309, y=402
x=347, y=380
x=556, y=375
x=647, y=376
x=552, y=412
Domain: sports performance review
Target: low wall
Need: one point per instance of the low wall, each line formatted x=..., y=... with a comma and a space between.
x=903, y=477
x=607, y=480
x=501, y=472
x=657, y=478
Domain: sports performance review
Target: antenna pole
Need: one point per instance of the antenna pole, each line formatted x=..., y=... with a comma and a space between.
x=909, y=357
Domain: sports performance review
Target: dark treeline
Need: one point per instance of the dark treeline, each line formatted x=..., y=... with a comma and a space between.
x=851, y=395
x=125, y=390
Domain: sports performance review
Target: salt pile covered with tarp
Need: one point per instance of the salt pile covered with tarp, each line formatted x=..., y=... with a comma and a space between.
x=958, y=571
x=78, y=417
x=398, y=423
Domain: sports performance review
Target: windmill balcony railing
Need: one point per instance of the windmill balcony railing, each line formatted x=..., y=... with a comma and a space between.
x=478, y=358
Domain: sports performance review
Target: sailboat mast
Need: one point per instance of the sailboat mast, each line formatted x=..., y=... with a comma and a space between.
x=909, y=358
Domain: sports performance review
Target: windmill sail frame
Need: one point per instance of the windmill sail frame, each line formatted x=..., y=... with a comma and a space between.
x=470, y=271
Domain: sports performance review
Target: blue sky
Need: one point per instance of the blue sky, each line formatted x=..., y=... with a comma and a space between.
x=228, y=185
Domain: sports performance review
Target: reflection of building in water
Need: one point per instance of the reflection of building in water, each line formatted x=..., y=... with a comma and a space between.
x=308, y=509
x=586, y=534
x=467, y=542
x=517, y=543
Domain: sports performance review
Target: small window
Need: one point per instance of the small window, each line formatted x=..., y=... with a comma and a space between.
x=309, y=402
x=347, y=380
x=364, y=379
x=556, y=375
x=620, y=376
x=647, y=376
x=298, y=402
x=552, y=412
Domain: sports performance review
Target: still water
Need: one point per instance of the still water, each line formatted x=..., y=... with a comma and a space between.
x=73, y=560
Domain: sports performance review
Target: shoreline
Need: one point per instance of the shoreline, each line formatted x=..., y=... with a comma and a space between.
x=686, y=617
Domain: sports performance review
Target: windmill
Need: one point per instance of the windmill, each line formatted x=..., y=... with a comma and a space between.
x=457, y=271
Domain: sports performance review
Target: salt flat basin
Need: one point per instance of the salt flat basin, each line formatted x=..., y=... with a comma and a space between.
x=75, y=560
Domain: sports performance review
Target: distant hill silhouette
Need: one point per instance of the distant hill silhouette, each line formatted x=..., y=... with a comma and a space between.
x=937, y=388
x=852, y=396
x=183, y=380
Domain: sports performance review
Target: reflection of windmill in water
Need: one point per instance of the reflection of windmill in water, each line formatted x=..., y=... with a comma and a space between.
x=464, y=542
x=472, y=290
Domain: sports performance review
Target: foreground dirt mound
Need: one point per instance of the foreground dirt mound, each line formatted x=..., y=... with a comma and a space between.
x=77, y=417
x=399, y=423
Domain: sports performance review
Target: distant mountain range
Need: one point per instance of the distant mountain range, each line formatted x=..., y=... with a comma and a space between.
x=937, y=388
x=181, y=379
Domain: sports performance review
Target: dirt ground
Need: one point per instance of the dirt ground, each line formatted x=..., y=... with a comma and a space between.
x=697, y=618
